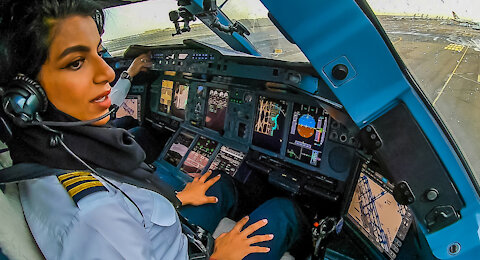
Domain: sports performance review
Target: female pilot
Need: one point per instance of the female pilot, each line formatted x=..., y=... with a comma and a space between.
x=53, y=45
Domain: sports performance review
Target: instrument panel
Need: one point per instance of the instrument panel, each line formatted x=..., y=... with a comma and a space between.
x=242, y=114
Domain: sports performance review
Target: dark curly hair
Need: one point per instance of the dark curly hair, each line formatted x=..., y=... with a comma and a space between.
x=26, y=27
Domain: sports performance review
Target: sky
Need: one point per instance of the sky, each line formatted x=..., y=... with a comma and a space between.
x=153, y=14
x=465, y=9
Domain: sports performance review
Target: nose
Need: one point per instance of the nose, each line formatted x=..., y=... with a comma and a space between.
x=103, y=72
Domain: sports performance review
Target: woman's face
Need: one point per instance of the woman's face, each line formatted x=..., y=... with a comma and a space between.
x=74, y=76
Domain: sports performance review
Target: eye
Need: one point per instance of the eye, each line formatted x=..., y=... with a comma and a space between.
x=101, y=51
x=76, y=65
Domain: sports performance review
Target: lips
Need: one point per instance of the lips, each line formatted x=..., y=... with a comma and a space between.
x=102, y=100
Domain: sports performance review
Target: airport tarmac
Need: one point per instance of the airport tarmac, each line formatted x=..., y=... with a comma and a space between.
x=443, y=56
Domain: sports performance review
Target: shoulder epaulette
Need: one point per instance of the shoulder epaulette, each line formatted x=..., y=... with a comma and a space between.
x=80, y=184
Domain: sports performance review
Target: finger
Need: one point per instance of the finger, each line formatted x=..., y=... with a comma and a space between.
x=260, y=238
x=259, y=249
x=205, y=176
x=196, y=179
x=238, y=227
x=211, y=199
x=212, y=181
x=255, y=226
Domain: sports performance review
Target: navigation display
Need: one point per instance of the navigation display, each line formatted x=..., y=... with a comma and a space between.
x=180, y=97
x=227, y=160
x=166, y=96
x=376, y=214
x=307, y=134
x=131, y=106
x=217, y=109
x=199, y=156
x=270, y=124
x=179, y=148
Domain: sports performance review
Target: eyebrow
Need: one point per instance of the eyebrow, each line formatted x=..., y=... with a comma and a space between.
x=77, y=48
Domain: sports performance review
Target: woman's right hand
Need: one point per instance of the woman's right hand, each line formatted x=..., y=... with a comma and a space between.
x=236, y=244
x=141, y=63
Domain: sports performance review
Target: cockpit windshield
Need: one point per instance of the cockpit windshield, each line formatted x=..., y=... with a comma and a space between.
x=148, y=23
x=269, y=41
x=440, y=44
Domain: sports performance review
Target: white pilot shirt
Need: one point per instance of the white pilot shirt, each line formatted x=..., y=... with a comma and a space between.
x=120, y=91
x=105, y=224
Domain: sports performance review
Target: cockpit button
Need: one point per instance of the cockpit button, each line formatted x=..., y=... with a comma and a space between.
x=431, y=194
x=340, y=72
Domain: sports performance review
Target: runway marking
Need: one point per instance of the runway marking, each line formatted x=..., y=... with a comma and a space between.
x=449, y=78
x=471, y=80
x=454, y=47
x=397, y=41
x=478, y=78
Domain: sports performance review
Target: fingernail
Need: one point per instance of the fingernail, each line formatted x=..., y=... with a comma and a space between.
x=268, y=249
x=216, y=199
x=246, y=217
x=270, y=236
x=265, y=221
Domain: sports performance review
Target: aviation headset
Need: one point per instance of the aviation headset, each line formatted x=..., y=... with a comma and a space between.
x=24, y=100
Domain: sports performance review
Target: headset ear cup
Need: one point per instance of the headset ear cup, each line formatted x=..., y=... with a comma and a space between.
x=23, y=99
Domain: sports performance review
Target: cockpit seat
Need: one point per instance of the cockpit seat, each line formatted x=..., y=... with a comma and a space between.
x=16, y=241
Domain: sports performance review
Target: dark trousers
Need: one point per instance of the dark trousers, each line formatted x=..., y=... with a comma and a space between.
x=281, y=213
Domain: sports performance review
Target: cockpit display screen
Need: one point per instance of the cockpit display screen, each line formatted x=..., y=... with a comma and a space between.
x=166, y=96
x=227, y=160
x=180, y=97
x=217, y=109
x=307, y=134
x=199, y=156
x=270, y=123
x=374, y=211
x=179, y=148
x=131, y=106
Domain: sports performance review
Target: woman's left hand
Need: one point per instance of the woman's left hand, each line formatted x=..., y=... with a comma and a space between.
x=194, y=192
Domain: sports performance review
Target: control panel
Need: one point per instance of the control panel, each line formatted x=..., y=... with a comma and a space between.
x=226, y=116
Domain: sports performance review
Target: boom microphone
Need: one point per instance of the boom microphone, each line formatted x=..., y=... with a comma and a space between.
x=113, y=109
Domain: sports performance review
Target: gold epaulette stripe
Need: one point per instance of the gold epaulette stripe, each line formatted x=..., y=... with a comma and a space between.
x=77, y=179
x=80, y=184
x=65, y=176
x=83, y=187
